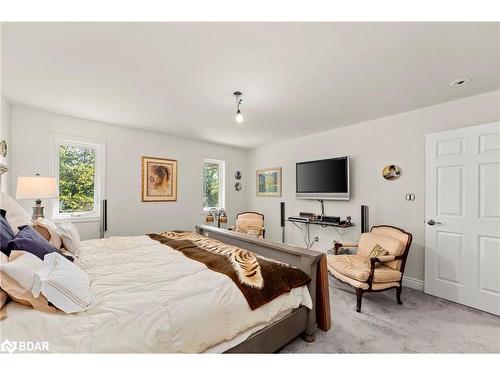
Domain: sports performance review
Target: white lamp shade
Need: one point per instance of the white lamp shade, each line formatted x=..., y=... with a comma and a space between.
x=36, y=187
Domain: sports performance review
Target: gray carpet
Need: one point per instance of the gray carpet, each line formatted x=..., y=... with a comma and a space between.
x=423, y=324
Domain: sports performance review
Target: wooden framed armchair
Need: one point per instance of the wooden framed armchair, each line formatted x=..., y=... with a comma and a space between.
x=250, y=223
x=368, y=273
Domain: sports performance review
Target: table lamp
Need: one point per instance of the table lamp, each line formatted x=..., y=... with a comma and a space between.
x=215, y=214
x=38, y=188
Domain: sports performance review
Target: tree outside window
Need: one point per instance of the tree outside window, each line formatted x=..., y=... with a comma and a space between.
x=76, y=178
x=213, y=184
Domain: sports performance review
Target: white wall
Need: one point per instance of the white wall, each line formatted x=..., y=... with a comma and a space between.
x=124, y=148
x=398, y=139
x=5, y=135
x=4, y=124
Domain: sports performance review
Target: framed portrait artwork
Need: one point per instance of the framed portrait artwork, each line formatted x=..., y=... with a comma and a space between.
x=159, y=180
x=269, y=182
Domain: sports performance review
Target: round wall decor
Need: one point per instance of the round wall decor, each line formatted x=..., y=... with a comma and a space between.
x=237, y=186
x=237, y=175
x=391, y=172
x=3, y=148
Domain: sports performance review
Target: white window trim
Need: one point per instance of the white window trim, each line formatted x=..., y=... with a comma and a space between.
x=222, y=186
x=99, y=192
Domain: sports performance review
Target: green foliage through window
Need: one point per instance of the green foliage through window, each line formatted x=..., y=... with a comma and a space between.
x=211, y=185
x=76, y=178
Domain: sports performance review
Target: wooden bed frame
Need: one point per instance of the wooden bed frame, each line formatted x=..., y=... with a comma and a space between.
x=301, y=321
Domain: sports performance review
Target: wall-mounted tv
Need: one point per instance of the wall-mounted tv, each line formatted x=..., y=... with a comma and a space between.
x=323, y=179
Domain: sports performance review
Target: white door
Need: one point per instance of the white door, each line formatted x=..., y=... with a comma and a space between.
x=462, y=230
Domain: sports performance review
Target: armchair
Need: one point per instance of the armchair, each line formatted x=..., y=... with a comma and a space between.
x=251, y=223
x=367, y=273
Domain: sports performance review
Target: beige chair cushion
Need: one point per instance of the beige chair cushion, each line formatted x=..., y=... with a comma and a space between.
x=250, y=223
x=355, y=267
x=369, y=240
x=250, y=219
x=359, y=284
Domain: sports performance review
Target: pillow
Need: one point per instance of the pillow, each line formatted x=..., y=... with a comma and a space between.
x=43, y=232
x=63, y=283
x=376, y=252
x=3, y=295
x=6, y=233
x=17, y=278
x=55, y=238
x=16, y=214
x=3, y=309
x=28, y=239
x=70, y=237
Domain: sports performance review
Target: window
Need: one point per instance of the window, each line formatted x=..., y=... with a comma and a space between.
x=78, y=169
x=213, y=184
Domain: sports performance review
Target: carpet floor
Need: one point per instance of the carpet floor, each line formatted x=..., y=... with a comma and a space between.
x=423, y=324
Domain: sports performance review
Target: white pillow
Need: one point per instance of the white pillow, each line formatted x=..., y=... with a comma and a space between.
x=17, y=277
x=22, y=267
x=63, y=283
x=55, y=237
x=70, y=237
x=16, y=214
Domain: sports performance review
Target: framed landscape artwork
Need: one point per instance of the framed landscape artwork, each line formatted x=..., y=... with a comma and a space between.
x=159, y=180
x=269, y=182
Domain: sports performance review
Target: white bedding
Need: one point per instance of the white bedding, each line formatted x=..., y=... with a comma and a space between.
x=149, y=298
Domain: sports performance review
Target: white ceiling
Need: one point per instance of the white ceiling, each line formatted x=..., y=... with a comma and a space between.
x=297, y=78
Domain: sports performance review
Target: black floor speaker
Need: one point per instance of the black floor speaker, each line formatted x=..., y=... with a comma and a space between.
x=282, y=221
x=365, y=225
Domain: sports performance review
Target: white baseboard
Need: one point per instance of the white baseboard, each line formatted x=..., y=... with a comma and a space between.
x=410, y=282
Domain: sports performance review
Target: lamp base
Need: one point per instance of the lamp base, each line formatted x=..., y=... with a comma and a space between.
x=37, y=210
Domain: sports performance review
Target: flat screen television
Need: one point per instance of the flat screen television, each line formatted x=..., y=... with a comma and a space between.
x=323, y=179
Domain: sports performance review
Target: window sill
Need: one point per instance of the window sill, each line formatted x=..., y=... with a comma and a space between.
x=76, y=219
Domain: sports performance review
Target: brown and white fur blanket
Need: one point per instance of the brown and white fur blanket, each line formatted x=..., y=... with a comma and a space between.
x=258, y=278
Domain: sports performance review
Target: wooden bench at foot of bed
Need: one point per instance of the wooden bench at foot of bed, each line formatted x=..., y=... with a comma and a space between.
x=300, y=321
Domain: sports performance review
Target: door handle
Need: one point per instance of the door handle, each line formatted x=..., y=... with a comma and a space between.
x=433, y=222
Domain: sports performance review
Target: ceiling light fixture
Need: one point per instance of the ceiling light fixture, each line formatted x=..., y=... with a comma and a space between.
x=239, y=116
x=460, y=82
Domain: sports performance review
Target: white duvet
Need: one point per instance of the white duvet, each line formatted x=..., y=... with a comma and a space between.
x=148, y=298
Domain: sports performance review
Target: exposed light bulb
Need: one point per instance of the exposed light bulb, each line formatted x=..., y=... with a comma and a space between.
x=239, y=117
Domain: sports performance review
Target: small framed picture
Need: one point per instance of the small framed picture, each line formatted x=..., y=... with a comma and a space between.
x=159, y=180
x=268, y=182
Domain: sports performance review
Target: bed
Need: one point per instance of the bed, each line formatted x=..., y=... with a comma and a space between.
x=150, y=298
